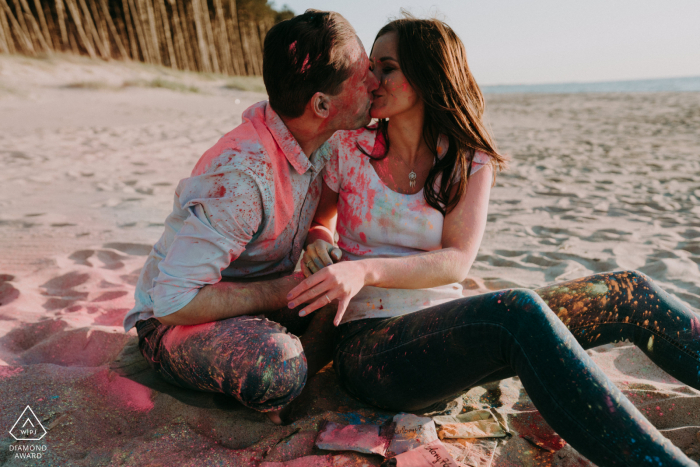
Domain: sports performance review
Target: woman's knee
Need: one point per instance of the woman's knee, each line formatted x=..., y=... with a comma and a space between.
x=276, y=373
x=525, y=300
x=637, y=277
x=525, y=305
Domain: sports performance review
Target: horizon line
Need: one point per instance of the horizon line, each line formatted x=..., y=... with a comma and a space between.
x=560, y=83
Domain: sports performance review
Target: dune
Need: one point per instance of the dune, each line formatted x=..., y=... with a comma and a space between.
x=91, y=153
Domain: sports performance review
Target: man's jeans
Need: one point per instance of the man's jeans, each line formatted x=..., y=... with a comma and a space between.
x=250, y=358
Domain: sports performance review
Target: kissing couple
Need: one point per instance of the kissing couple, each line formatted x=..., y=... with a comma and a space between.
x=307, y=235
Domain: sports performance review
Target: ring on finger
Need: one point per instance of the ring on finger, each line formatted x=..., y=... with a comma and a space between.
x=309, y=263
x=329, y=300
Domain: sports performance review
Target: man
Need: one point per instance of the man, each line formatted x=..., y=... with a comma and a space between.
x=239, y=223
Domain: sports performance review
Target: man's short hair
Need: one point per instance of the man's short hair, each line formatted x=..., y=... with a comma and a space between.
x=305, y=55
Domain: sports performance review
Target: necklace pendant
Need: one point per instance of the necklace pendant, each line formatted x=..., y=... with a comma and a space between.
x=412, y=179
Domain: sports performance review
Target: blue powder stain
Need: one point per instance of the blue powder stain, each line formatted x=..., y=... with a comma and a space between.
x=354, y=418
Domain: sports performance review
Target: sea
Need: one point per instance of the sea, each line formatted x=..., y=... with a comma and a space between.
x=687, y=84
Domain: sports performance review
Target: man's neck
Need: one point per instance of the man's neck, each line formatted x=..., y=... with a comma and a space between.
x=309, y=134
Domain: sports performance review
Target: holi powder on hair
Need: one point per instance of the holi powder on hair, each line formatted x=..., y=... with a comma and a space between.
x=293, y=47
x=306, y=65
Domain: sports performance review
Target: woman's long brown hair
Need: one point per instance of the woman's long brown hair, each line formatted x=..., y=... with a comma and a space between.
x=434, y=61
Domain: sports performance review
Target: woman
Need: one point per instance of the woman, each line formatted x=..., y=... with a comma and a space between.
x=411, y=199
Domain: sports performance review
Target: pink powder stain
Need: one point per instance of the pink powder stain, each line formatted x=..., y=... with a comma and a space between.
x=306, y=65
x=125, y=392
x=695, y=327
x=220, y=192
x=293, y=47
x=610, y=403
x=8, y=372
x=180, y=333
x=363, y=237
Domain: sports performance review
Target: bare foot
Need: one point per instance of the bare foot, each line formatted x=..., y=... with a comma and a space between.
x=274, y=416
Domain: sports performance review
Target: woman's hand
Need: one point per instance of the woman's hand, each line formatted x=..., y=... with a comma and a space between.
x=339, y=282
x=319, y=255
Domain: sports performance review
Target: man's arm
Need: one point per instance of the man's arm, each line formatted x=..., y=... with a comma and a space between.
x=188, y=288
x=228, y=299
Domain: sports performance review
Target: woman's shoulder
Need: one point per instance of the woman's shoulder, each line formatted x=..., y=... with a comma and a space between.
x=481, y=158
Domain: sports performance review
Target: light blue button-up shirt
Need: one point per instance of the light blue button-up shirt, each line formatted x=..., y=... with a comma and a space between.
x=243, y=213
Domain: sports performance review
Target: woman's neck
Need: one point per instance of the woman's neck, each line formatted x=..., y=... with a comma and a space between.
x=406, y=136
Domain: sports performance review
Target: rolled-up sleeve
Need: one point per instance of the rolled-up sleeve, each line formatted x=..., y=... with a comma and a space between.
x=223, y=214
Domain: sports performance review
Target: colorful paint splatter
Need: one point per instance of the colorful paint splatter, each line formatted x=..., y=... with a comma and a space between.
x=409, y=362
x=250, y=358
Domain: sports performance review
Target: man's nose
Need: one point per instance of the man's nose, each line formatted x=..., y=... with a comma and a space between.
x=373, y=82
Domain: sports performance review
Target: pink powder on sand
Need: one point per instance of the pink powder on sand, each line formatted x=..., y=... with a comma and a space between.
x=9, y=372
x=124, y=392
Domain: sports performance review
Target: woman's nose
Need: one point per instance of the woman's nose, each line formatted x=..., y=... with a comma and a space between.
x=374, y=79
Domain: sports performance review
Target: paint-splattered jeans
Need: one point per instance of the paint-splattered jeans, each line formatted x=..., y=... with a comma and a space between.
x=412, y=361
x=250, y=358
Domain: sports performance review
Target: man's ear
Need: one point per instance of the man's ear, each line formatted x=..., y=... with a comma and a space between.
x=320, y=105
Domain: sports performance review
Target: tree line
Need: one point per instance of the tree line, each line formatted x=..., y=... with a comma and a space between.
x=215, y=36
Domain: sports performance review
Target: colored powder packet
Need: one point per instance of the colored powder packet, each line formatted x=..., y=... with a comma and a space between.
x=478, y=452
x=411, y=431
x=328, y=460
x=475, y=424
x=433, y=454
x=367, y=439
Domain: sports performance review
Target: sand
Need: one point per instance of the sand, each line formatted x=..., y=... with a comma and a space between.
x=597, y=182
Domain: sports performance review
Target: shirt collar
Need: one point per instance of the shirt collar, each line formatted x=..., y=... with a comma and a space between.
x=286, y=141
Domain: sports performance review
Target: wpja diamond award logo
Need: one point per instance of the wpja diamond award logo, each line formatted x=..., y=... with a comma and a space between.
x=28, y=428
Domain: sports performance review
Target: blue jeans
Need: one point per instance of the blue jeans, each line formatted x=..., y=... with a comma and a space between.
x=409, y=362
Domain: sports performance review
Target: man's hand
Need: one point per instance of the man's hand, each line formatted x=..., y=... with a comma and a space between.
x=319, y=255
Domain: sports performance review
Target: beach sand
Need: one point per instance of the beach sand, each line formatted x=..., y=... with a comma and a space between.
x=597, y=182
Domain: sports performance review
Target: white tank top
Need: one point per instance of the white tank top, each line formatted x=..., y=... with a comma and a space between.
x=377, y=222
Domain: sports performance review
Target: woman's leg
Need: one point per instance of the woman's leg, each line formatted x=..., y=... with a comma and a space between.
x=614, y=306
x=411, y=361
x=621, y=305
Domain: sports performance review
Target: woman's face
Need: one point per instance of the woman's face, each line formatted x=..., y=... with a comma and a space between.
x=394, y=95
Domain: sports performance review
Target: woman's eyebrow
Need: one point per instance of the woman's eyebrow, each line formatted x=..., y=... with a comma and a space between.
x=383, y=59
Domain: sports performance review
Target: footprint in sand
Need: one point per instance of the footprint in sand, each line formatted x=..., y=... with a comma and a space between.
x=50, y=342
x=62, y=292
x=81, y=257
x=110, y=259
x=135, y=249
x=8, y=293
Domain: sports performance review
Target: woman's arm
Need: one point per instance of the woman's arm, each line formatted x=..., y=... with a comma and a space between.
x=462, y=232
x=319, y=243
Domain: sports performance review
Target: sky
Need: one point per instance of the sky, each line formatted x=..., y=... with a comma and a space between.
x=549, y=41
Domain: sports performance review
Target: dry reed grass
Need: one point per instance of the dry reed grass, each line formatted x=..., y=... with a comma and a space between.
x=211, y=36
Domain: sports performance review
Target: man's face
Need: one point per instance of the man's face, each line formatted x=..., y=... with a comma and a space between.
x=350, y=107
